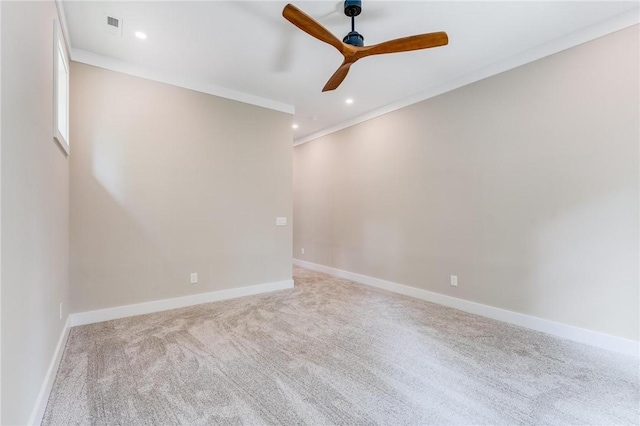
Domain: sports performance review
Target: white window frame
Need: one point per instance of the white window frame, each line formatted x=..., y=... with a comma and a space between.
x=60, y=62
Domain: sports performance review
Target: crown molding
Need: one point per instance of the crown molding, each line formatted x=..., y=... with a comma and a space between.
x=101, y=61
x=106, y=62
x=584, y=35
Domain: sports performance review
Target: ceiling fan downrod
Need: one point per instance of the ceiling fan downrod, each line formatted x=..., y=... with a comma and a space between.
x=352, y=8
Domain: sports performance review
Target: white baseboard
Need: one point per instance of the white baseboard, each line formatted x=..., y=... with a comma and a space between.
x=108, y=314
x=43, y=396
x=593, y=338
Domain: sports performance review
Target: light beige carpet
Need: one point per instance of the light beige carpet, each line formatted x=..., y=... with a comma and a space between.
x=334, y=352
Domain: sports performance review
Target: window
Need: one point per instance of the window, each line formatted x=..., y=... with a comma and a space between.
x=60, y=90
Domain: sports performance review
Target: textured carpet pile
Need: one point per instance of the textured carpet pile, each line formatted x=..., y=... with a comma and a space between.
x=334, y=352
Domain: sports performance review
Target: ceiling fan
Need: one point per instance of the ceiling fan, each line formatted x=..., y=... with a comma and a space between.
x=352, y=46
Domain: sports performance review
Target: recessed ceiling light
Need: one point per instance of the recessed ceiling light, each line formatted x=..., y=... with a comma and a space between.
x=349, y=101
x=295, y=126
x=141, y=35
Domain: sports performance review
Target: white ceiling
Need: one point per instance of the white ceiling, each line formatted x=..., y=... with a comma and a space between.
x=247, y=46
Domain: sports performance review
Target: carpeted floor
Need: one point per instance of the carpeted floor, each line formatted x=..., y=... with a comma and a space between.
x=334, y=352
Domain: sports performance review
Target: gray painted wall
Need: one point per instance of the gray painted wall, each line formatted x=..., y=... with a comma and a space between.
x=167, y=181
x=524, y=185
x=35, y=208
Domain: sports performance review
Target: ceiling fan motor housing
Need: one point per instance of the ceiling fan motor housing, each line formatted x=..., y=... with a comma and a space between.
x=352, y=7
x=354, y=38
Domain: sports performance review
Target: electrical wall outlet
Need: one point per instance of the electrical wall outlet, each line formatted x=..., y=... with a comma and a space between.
x=302, y=251
x=454, y=280
x=194, y=278
x=281, y=221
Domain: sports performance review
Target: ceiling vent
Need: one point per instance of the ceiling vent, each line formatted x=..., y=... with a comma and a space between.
x=113, y=25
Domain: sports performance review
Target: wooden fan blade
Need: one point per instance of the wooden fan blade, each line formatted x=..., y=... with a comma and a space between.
x=406, y=44
x=310, y=26
x=338, y=76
